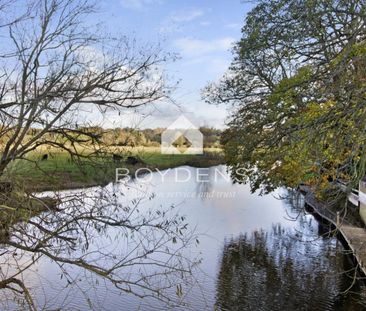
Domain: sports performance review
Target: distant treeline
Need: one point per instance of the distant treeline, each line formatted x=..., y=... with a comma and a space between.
x=152, y=137
x=132, y=137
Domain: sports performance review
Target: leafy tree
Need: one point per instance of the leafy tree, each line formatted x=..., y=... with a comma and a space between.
x=297, y=89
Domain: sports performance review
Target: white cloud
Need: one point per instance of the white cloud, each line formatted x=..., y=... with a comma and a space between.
x=219, y=66
x=233, y=26
x=139, y=4
x=205, y=23
x=173, y=22
x=186, y=16
x=194, y=47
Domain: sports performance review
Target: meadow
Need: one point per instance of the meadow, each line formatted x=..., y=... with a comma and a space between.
x=61, y=171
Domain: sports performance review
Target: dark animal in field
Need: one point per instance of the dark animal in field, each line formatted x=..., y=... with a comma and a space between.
x=44, y=157
x=133, y=160
x=4, y=235
x=6, y=187
x=117, y=158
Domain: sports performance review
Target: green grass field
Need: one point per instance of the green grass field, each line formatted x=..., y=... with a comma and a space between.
x=59, y=171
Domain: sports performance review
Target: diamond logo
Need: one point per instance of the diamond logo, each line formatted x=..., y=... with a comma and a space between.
x=182, y=137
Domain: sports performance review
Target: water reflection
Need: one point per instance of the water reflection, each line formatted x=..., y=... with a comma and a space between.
x=276, y=271
x=133, y=247
x=99, y=235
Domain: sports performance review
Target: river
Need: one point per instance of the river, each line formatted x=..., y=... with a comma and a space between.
x=244, y=251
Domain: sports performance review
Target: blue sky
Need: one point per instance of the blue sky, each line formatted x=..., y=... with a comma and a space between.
x=201, y=32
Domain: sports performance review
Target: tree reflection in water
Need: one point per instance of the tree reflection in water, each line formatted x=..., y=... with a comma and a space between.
x=277, y=270
x=108, y=237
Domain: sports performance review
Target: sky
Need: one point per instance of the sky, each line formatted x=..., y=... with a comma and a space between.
x=201, y=32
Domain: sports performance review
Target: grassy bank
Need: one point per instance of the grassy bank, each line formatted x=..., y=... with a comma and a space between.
x=60, y=171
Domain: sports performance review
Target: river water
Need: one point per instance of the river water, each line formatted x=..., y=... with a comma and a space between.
x=248, y=252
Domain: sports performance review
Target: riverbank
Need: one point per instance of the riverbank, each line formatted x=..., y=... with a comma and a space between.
x=353, y=234
x=59, y=171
